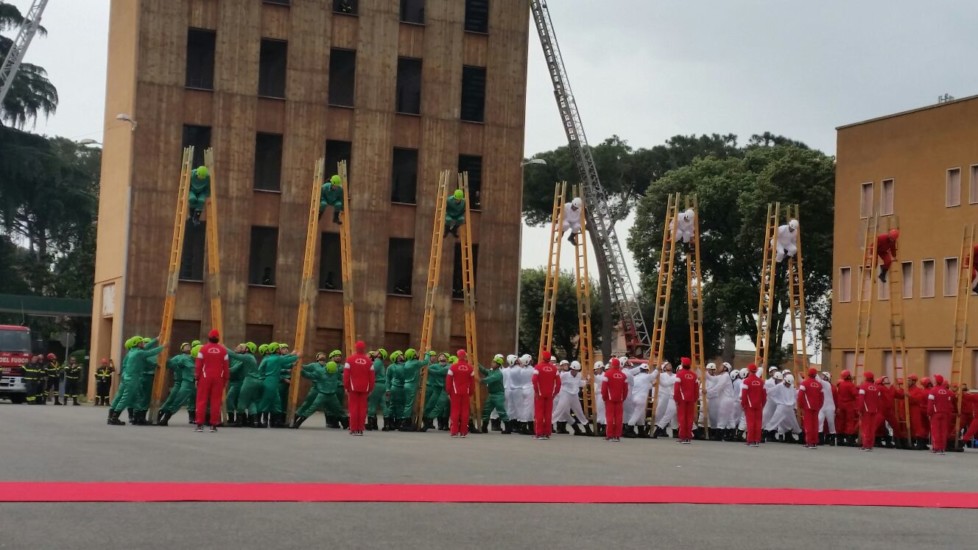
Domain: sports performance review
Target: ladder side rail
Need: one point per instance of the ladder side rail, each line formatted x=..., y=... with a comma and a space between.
x=346, y=257
x=961, y=325
x=663, y=293
x=694, y=297
x=864, y=296
x=468, y=295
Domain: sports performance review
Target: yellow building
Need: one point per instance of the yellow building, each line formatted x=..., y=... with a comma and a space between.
x=919, y=167
x=400, y=89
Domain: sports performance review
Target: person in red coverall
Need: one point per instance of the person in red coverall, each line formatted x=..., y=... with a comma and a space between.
x=211, y=373
x=868, y=404
x=969, y=414
x=685, y=393
x=753, y=397
x=810, y=400
x=974, y=270
x=546, y=385
x=886, y=249
x=358, y=380
x=940, y=408
x=614, y=392
x=918, y=412
x=459, y=384
x=887, y=415
x=900, y=406
x=845, y=410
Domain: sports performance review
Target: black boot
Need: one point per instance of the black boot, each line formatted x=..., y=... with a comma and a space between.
x=195, y=217
x=496, y=423
x=472, y=429
x=628, y=431
x=388, y=424
x=485, y=427
x=675, y=434
x=443, y=424
x=602, y=431
x=428, y=424
x=164, y=419
x=74, y=400
x=191, y=417
x=57, y=400
x=587, y=429
x=114, y=419
x=336, y=218
x=577, y=429
x=159, y=417
x=562, y=428
x=531, y=428
x=656, y=432
x=508, y=427
x=298, y=422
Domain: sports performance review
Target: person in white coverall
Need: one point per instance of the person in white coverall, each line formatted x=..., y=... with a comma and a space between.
x=626, y=369
x=526, y=391
x=665, y=409
x=563, y=367
x=784, y=421
x=713, y=382
x=769, y=407
x=511, y=409
x=572, y=219
x=639, y=396
x=741, y=417
x=725, y=404
x=568, y=401
x=598, y=381
x=826, y=415
x=682, y=226
x=787, y=241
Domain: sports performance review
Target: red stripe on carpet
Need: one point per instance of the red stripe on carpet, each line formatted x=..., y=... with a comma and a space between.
x=27, y=491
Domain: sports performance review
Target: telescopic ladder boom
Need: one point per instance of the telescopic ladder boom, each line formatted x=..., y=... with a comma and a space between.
x=11, y=63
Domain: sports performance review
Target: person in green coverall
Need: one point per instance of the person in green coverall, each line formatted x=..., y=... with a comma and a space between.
x=272, y=367
x=200, y=189
x=327, y=379
x=343, y=419
x=434, y=392
x=182, y=367
x=236, y=376
x=142, y=352
x=395, y=390
x=123, y=394
x=411, y=374
x=497, y=395
x=455, y=212
x=378, y=398
x=192, y=396
x=245, y=406
x=332, y=195
x=284, y=385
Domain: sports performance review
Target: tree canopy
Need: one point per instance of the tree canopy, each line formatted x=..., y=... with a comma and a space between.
x=566, y=328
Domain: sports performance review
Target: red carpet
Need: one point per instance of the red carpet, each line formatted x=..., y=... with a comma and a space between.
x=517, y=494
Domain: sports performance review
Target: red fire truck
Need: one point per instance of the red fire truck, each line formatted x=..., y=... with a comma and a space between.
x=15, y=352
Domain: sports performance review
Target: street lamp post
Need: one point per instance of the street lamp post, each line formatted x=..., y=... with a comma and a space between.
x=519, y=279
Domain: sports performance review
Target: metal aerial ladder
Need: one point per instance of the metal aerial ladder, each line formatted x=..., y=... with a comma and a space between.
x=552, y=282
x=961, y=323
x=431, y=289
x=864, y=295
x=307, y=288
x=599, y=214
x=583, y=287
x=468, y=296
x=898, y=334
x=173, y=277
x=14, y=57
x=663, y=293
x=694, y=303
x=796, y=301
x=765, y=302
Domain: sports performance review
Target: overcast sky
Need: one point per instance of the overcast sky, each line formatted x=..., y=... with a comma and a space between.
x=649, y=69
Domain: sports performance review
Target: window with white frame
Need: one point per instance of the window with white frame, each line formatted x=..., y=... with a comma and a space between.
x=907, y=280
x=973, y=185
x=845, y=284
x=953, y=187
x=927, y=277
x=950, y=276
x=886, y=198
x=866, y=200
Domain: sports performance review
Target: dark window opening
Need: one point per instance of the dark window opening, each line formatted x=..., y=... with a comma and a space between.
x=335, y=152
x=404, y=176
x=192, y=259
x=400, y=266
x=184, y=331
x=473, y=94
x=457, y=270
x=342, y=76
x=412, y=11
x=409, y=86
x=268, y=162
x=397, y=340
x=328, y=339
x=264, y=250
x=198, y=137
x=271, y=68
x=477, y=16
x=200, y=59
x=347, y=7
x=258, y=333
x=473, y=165
x=279, y=2
x=330, y=269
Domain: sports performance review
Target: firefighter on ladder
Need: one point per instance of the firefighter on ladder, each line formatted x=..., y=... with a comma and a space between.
x=200, y=189
x=787, y=241
x=572, y=220
x=332, y=195
x=454, y=212
x=682, y=226
x=886, y=249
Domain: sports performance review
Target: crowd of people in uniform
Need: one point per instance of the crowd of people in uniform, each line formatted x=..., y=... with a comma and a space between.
x=44, y=375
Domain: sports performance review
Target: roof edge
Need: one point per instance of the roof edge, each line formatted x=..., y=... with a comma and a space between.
x=907, y=112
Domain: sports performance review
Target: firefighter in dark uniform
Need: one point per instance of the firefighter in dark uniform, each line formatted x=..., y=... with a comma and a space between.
x=103, y=382
x=54, y=372
x=33, y=377
x=73, y=372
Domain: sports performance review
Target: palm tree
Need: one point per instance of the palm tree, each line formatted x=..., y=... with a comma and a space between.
x=32, y=94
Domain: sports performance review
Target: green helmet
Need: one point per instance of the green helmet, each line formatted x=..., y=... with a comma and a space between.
x=251, y=347
x=498, y=359
x=273, y=348
x=453, y=359
x=263, y=349
x=146, y=340
x=195, y=350
x=383, y=353
x=410, y=354
x=458, y=194
x=195, y=343
x=397, y=355
x=335, y=353
x=185, y=345
x=336, y=180
x=332, y=367
x=201, y=172
x=131, y=342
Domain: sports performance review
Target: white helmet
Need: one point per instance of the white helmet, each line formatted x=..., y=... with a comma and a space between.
x=565, y=362
x=497, y=356
x=771, y=368
x=711, y=366
x=598, y=365
x=728, y=366
x=793, y=225
x=510, y=360
x=623, y=360
x=789, y=378
x=744, y=372
x=827, y=375
x=525, y=359
x=576, y=203
x=778, y=376
x=575, y=365
x=688, y=215
x=734, y=375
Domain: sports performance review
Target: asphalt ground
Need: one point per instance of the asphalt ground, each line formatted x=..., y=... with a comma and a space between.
x=75, y=444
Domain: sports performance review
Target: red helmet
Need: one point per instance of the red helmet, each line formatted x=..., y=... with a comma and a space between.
x=812, y=372
x=912, y=377
x=938, y=379
x=461, y=354
x=545, y=357
x=925, y=381
x=52, y=356
x=614, y=363
x=845, y=375
x=752, y=367
x=868, y=376
x=686, y=361
x=894, y=234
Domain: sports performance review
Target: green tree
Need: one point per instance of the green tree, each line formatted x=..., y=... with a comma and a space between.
x=733, y=194
x=566, y=327
x=31, y=94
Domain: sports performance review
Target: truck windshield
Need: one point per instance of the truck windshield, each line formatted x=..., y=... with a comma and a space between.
x=15, y=341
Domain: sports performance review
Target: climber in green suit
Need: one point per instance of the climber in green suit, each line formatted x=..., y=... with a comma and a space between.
x=141, y=401
x=134, y=367
x=200, y=189
x=332, y=195
x=182, y=367
x=377, y=398
x=245, y=407
x=434, y=391
x=326, y=380
x=496, y=399
x=271, y=369
x=454, y=212
x=411, y=374
x=395, y=390
x=124, y=394
x=236, y=376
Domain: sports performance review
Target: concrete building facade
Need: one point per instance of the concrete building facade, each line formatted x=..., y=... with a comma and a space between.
x=400, y=89
x=918, y=168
